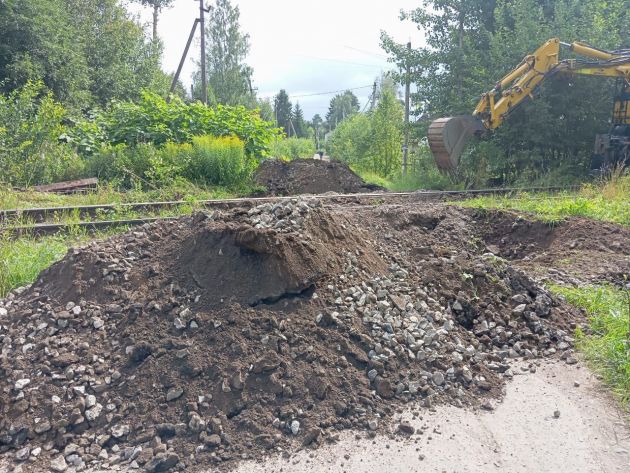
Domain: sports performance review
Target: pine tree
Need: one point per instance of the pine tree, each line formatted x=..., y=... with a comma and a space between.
x=341, y=106
x=282, y=109
x=299, y=125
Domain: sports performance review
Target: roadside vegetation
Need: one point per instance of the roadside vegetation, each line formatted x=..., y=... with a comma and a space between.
x=607, y=201
x=22, y=259
x=607, y=348
x=106, y=194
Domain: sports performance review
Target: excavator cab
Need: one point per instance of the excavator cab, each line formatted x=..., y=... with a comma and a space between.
x=448, y=138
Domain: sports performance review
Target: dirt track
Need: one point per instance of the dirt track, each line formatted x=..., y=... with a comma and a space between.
x=520, y=436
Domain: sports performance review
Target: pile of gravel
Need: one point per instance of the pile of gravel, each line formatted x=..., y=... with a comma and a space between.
x=226, y=336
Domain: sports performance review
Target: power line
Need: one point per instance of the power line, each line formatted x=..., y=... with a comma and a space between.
x=340, y=61
x=367, y=52
x=329, y=93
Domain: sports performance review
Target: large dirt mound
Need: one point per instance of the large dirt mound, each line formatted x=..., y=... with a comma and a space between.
x=226, y=336
x=310, y=176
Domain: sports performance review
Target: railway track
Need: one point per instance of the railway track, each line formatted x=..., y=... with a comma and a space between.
x=42, y=224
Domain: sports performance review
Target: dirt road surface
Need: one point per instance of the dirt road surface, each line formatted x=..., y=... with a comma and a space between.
x=521, y=435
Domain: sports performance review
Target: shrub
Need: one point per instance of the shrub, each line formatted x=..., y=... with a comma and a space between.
x=293, y=148
x=208, y=160
x=30, y=125
x=123, y=166
x=220, y=161
x=156, y=121
x=350, y=141
x=170, y=164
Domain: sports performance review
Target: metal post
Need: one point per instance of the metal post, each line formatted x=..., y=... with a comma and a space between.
x=204, y=77
x=183, y=59
x=407, y=93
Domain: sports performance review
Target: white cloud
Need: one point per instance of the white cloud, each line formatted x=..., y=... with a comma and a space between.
x=302, y=46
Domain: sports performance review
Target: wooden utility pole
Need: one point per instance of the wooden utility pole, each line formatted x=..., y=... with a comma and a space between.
x=156, y=14
x=183, y=60
x=407, y=100
x=373, y=104
x=204, y=77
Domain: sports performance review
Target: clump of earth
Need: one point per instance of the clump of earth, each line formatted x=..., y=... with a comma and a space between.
x=309, y=176
x=232, y=335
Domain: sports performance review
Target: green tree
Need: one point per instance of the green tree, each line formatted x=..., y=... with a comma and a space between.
x=86, y=52
x=121, y=61
x=157, y=6
x=373, y=141
x=282, y=109
x=317, y=123
x=350, y=142
x=37, y=43
x=266, y=110
x=229, y=77
x=299, y=125
x=386, y=125
x=341, y=107
x=471, y=44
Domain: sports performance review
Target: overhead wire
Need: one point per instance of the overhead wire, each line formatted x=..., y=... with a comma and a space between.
x=366, y=52
x=341, y=61
x=331, y=92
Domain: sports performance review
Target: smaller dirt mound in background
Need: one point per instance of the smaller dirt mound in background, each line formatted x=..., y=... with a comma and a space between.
x=310, y=176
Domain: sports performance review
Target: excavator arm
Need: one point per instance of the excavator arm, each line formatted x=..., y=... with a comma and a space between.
x=449, y=136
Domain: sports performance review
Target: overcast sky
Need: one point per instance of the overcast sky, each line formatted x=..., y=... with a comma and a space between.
x=303, y=46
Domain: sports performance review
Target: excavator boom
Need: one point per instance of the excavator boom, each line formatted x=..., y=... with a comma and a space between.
x=448, y=137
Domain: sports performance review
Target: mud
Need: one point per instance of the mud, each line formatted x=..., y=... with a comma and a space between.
x=201, y=342
x=310, y=176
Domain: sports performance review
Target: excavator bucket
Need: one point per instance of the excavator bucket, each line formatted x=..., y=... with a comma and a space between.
x=448, y=138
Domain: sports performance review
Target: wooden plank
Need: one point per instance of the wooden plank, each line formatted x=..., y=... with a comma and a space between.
x=67, y=186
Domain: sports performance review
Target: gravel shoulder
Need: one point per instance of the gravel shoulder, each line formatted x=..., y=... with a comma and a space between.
x=520, y=435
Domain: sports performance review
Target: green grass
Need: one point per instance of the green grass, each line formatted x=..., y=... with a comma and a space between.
x=10, y=199
x=23, y=259
x=412, y=182
x=607, y=349
x=609, y=201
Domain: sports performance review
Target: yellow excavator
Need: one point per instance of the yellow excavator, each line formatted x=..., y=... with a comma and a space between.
x=448, y=136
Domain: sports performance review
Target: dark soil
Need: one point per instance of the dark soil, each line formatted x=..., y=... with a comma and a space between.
x=219, y=337
x=310, y=176
x=575, y=250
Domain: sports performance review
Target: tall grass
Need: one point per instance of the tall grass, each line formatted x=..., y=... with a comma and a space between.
x=220, y=161
x=608, y=348
x=608, y=200
x=411, y=182
x=292, y=148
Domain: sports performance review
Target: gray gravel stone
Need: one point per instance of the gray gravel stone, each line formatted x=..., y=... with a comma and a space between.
x=295, y=427
x=174, y=393
x=58, y=464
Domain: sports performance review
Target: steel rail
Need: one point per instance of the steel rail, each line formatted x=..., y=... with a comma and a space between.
x=40, y=215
